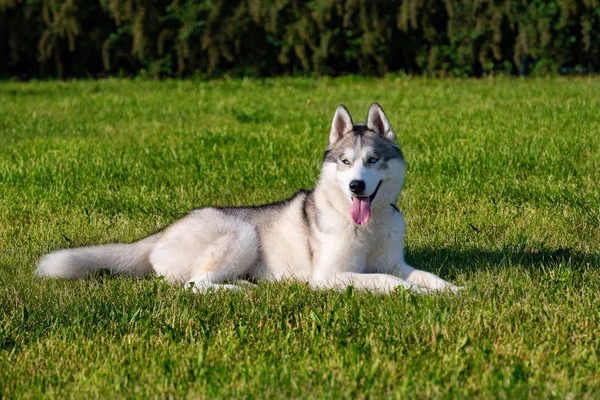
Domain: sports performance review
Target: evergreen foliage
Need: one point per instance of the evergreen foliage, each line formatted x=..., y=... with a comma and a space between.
x=322, y=37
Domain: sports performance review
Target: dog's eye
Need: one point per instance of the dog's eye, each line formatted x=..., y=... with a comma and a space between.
x=373, y=160
x=345, y=161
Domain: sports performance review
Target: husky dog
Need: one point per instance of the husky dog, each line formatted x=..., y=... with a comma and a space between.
x=347, y=231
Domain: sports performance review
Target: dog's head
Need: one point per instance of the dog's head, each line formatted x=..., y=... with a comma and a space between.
x=364, y=162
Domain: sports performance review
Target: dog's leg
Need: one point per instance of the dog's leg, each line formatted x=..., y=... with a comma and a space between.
x=424, y=279
x=208, y=250
x=376, y=282
x=245, y=283
x=205, y=285
x=222, y=261
x=338, y=268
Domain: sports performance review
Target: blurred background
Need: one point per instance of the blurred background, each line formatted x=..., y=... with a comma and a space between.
x=213, y=38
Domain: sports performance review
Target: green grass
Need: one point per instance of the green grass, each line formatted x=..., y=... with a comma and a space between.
x=502, y=195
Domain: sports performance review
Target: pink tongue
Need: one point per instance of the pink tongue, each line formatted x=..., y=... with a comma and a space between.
x=361, y=210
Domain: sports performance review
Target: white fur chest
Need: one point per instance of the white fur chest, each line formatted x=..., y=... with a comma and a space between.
x=346, y=247
x=387, y=251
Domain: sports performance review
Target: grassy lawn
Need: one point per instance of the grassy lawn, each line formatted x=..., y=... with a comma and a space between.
x=502, y=195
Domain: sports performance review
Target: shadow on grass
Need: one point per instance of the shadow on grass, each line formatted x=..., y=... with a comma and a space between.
x=456, y=261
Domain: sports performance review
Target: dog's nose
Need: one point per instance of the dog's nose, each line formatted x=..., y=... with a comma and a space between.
x=357, y=187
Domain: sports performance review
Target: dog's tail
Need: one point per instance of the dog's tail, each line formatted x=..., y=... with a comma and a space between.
x=129, y=259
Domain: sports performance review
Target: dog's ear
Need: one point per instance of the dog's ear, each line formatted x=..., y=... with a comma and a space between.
x=341, y=124
x=378, y=122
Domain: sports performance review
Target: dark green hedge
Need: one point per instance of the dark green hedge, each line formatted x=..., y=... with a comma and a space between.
x=271, y=37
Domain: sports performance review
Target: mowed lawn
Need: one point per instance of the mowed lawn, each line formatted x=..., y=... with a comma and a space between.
x=502, y=196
